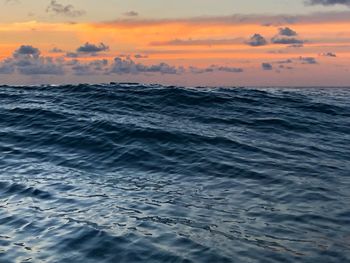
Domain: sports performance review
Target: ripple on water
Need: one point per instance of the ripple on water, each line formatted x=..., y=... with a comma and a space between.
x=136, y=173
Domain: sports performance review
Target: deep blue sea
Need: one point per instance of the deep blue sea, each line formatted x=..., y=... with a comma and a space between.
x=147, y=173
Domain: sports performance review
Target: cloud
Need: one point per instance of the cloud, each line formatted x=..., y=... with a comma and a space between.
x=128, y=66
x=42, y=66
x=328, y=54
x=227, y=69
x=266, y=66
x=296, y=45
x=91, y=68
x=125, y=65
x=257, y=40
x=92, y=48
x=26, y=51
x=286, y=61
x=286, y=31
x=215, y=68
x=7, y=67
x=276, y=52
x=131, y=13
x=280, y=64
x=308, y=60
x=328, y=2
x=289, y=63
x=286, y=36
x=140, y=56
x=64, y=10
x=236, y=19
x=286, y=41
x=26, y=60
x=285, y=67
x=72, y=55
x=56, y=50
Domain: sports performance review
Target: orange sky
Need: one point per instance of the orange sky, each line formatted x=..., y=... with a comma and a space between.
x=196, y=42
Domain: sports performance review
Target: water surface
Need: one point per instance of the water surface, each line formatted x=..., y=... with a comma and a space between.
x=135, y=173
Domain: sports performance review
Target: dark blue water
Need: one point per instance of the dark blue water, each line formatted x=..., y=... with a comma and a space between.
x=132, y=173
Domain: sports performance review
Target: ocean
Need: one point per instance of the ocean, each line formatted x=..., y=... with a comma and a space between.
x=148, y=173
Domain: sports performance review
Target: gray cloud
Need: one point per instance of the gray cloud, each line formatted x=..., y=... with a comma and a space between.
x=131, y=13
x=276, y=52
x=44, y=66
x=228, y=69
x=288, y=64
x=7, y=67
x=328, y=54
x=240, y=19
x=26, y=60
x=91, y=68
x=92, y=48
x=286, y=41
x=286, y=31
x=257, y=40
x=64, y=10
x=72, y=55
x=285, y=67
x=128, y=66
x=140, y=56
x=26, y=51
x=56, y=50
x=328, y=2
x=296, y=45
x=215, y=68
x=286, y=36
x=286, y=61
x=266, y=66
x=308, y=60
x=279, y=65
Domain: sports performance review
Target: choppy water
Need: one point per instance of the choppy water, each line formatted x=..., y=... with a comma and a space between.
x=132, y=173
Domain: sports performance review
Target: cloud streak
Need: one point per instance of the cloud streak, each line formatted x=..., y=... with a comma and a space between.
x=237, y=19
x=328, y=2
x=214, y=68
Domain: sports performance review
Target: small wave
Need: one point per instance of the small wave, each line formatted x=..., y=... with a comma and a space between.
x=129, y=172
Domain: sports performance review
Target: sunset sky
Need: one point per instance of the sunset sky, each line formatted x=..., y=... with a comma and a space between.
x=192, y=42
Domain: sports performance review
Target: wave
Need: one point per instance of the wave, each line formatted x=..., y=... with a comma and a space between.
x=130, y=172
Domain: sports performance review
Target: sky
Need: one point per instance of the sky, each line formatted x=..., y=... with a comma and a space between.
x=187, y=43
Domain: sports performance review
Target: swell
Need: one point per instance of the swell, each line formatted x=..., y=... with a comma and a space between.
x=141, y=126
x=133, y=172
